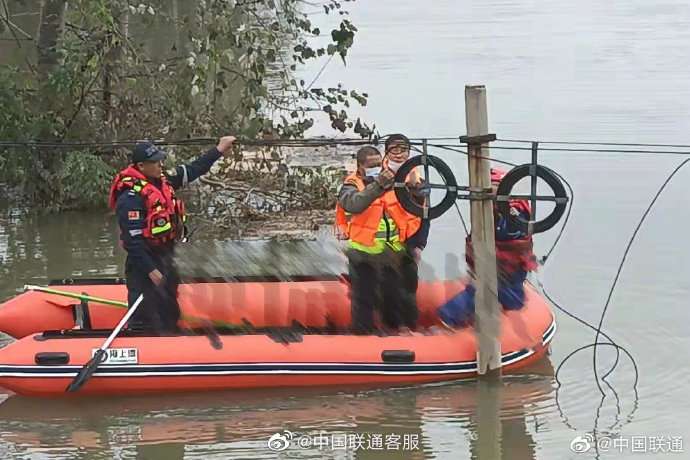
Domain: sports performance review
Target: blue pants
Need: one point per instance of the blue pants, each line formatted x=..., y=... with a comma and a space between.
x=459, y=311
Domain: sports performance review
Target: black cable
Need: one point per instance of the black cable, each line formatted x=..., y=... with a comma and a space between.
x=594, y=345
x=315, y=142
x=617, y=420
x=625, y=255
x=619, y=144
x=586, y=150
x=441, y=138
x=464, y=152
x=312, y=142
x=656, y=152
x=462, y=219
x=557, y=305
x=457, y=208
x=543, y=260
x=543, y=289
x=359, y=141
x=598, y=330
x=550, y=251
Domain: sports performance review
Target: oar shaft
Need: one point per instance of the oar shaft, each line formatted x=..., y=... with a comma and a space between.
x=122, y=322
x=90, y=367
x=74, y=295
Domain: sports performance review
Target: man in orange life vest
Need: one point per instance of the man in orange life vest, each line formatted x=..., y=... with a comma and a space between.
x=151, y=220
x=383, y=273
x=397, y=153
x=514, y=258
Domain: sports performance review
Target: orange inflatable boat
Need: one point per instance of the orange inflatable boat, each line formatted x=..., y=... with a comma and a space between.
x=262, y=301
x=296, y=338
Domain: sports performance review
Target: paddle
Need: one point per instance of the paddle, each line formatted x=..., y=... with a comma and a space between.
x=74, y=295
x=89, y=368
x=207, y=325
x=209, y=329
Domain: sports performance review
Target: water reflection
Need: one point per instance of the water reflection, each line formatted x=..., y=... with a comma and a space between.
x=40, y=247
x=441, y=418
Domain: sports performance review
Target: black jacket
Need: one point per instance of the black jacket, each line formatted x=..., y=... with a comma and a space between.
x=131, y=212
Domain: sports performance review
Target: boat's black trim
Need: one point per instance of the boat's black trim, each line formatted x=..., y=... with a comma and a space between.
x=85, y=281
x=549, y=333
x=279, y=334
x=140, y=370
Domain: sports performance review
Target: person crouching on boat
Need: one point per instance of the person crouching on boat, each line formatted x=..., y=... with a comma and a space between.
x=376, y=225
x=514, y=258
x=151, y=220
x=397, y=153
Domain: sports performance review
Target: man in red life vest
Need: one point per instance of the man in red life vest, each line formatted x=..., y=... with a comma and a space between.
x=151, y=220
x=514, y=258
x=383, y=273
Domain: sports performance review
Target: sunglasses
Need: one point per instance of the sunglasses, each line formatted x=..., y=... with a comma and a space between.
x=398, y=149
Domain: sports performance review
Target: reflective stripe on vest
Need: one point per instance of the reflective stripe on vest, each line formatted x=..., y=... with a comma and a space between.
x=386, y=236
x=161, y=229
x=164, y=213
x=140, y=184
x=369, y=231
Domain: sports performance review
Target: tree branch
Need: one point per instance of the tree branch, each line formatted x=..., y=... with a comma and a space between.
x=82, y=97
x=13, y=26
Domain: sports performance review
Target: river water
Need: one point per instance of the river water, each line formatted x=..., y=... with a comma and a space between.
x=606, y=71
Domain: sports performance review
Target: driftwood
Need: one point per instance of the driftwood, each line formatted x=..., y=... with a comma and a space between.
x=270, y=193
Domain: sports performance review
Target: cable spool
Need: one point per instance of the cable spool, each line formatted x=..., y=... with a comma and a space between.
x=405, y=198
x=518, y=173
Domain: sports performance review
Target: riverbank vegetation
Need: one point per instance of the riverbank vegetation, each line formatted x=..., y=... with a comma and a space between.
x=82, y=75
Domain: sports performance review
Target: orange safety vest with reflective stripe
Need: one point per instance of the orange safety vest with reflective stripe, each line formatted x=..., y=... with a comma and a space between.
x=364, y=228
x=165, y=214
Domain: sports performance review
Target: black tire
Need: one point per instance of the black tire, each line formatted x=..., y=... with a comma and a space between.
x=405, y=198
x=520, y=172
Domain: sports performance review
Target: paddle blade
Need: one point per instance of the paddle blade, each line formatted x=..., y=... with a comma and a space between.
x=212, y=335
x=87, y=371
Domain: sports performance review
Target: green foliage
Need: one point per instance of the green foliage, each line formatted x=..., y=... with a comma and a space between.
x=14, y=115
x=227, y=67
x=84, y=180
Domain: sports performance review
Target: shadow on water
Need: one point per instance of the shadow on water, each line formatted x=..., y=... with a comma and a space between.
x=432, y=421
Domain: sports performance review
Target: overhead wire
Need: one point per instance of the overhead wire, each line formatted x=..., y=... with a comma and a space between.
x=313, y=142
x=618, y=144
x=597, y=150
x=598, y=330
x=307, y=142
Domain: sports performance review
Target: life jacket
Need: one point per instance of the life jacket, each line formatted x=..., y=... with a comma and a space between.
x=165, y=214
x=385, y=221
x=511, y=255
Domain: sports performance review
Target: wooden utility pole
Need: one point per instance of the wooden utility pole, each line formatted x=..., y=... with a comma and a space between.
x=487, y=307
